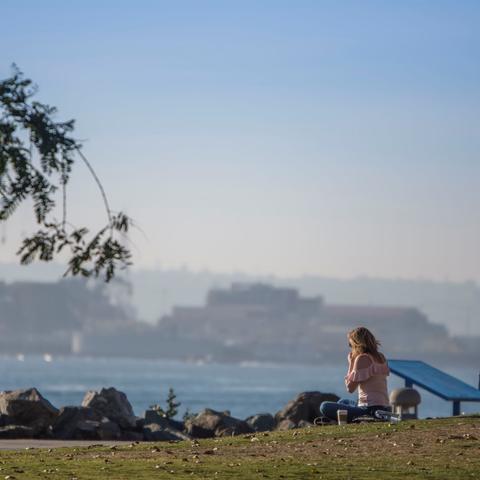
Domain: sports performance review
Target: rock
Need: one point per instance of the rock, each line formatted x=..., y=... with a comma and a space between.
x=139, y=424
x=153, y=432
x=4, y=419
x=86, y=430
x=132, y=436
x=152, y=416
x=304, y=424
x=112, y=404
x=108, y=430
x=286, y=425
x=306, y=406
x=262, y=422
x=134, y=433
x=211, y=423
x=29, y=408
x=159, y=428
x=84, y=423
x=16, y=431
x=75, y=423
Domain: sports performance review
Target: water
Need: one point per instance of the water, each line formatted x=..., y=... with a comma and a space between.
x=243, y=389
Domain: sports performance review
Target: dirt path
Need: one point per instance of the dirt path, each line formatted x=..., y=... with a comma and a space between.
x=26, y=444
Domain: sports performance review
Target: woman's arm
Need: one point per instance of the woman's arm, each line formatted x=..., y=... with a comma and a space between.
x=350, y=361
x=350, y=385
x=361, y=362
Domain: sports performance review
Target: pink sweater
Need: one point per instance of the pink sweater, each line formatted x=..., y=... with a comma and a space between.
x=371, y=379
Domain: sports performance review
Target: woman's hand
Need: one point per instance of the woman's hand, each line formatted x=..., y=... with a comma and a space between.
x=350, y=385
x=350, y=361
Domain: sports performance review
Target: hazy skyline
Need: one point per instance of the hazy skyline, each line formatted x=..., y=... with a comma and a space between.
x=290, y=138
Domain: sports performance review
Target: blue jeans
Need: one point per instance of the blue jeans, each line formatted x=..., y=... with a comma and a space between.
x=329, y=409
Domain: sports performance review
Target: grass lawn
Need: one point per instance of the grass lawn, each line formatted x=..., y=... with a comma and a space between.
x=433, y=449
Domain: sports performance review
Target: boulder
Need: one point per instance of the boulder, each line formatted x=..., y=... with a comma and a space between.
x=29, y=408
x=84, y=423
x=153, y=432
x=112, y=404
x=305, y=424
x=139, y=424
x=16, y=431
x=132, y=436
x=305, y=407
x=210, y=423
x=108, y=430
x=104, y=429
x=262, y=422
x=153, y=416
x=286, y=425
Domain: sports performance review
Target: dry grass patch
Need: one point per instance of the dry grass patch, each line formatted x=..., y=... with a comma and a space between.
x=440, y=449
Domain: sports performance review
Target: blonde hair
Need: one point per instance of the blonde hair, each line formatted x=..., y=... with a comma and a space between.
x=362, y=340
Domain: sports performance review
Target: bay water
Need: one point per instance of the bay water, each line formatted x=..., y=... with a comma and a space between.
x=243, y=389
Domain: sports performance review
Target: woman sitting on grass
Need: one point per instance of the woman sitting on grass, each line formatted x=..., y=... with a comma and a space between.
x=367, y=371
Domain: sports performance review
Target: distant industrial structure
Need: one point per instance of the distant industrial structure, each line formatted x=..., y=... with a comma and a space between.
x=41, y=317
x=246, y=322
x=269, y=323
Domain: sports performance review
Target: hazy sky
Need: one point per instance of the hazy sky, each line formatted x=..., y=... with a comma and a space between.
x=288, y=137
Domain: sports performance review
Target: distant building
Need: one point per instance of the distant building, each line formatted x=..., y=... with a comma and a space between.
x=269, y=323
x=39, y=317
x=280, y=300
x=244, y=322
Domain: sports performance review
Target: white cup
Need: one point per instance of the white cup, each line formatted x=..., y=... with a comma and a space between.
x=342, y=416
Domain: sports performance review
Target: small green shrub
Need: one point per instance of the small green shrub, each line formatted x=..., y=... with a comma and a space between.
x=171, y=408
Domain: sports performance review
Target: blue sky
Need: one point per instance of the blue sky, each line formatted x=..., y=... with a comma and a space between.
x=285, y=137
